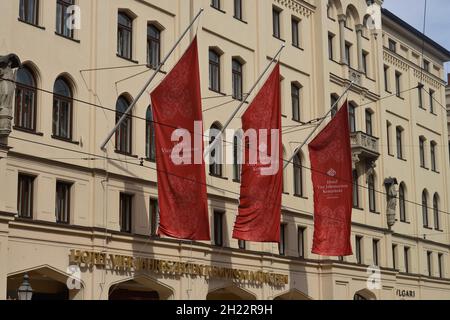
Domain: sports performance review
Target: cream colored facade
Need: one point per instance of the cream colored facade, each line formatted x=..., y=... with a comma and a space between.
x=41, y=247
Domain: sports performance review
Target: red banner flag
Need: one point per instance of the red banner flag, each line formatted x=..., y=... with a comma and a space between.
x=331, y=166
x=177, y=112
x=262, y=173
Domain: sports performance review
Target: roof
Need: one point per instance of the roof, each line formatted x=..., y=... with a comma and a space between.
x=415, y=32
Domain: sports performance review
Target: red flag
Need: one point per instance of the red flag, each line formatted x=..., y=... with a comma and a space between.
x=176, y=104
x=261, y=186
x=331, y=164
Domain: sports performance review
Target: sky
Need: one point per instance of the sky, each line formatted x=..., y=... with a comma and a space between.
x=437, y=19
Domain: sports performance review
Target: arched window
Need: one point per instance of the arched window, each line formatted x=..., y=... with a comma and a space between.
x=153, y=46
x=124, y=35
x=150, y=147
x=372, y=194
x=437, y=221
x=425, y=209
x=237, y=157
x=62, y=109
x=298, y=175
x=124, y=132
x=25, y=103
x=402, y=202
x=355, y=189
x=215, y=160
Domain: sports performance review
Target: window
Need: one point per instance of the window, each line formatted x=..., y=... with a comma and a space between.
x=425, y=209
x=25, y=196
x=376, y=248
x=215, y=166
x=426, y=65
x=25, y=101
x=153, y=46
x=215, y=4
x=63, y=16
x=154, y=217
x=433, y=156
x=394, y=257
x=392, y=45
x=402, y=202
x=372, y=194
x=334, y=107
x=330, y=46
x=358, y=249
x=431, y=101
x=406, y=258
x=355, y=189
x=422, y=152
x=352, y=118
x=29, y=11
x=388, y=133
x=348, y=57
x=386, y=78
x=295, y=97
x=214, y=71
x=124, y=132
x=436, y=214
x=365, y=57
x=399, y=134
x=420, y=96
x=298, y=175
x=237, y=80
x=62, y=109
x=301, y=241
x=238, y=9
x=295, y=28
x=369, y=126
x=242, y=244
x=237, y=158
x=276, y=15
x=282, y=243
x=218, y=228
x=150, y=143
x=430, y=263
x=398, y=87
x=124, y=36
x=441, y=265
x=125, y=207
x=63, y=202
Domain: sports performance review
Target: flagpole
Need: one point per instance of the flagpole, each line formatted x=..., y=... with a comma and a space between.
x=300, y=147
x=217, y=138
x=155, y=73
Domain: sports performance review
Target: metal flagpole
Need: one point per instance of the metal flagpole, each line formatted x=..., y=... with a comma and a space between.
x=315, y=128
x=217, y=138
x=155, y=73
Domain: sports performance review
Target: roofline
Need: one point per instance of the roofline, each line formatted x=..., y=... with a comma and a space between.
x=416, y=32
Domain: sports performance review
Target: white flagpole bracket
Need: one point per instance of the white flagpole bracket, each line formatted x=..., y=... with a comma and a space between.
x=155, y=73
x=244, y=100
x=300, y=147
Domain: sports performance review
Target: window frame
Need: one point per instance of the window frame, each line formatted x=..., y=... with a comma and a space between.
x=299, y=189
x=152, y=42
x=124, y=146
x=154, y=216
x=282, y=243
x=402, y=203
x=61, y=21
x=214, y=71
x=238, y=10
x=121, y=28
x=296, y=102
x=58, y=102
x=295, y=31
x=276, y=22
x=237, y=72
x=425, y=213
x=126, y=207
x=150, y=137
x=64, y=216
x=358, y=250
x=372, y=193
x=28, y=204
x=26, y=17
x=22, y=91
x=218, y=228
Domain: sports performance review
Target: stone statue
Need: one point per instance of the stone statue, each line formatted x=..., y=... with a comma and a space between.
x=392, y=200
x=7, y=87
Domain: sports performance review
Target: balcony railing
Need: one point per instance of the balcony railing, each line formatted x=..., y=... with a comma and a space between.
x=364, y=145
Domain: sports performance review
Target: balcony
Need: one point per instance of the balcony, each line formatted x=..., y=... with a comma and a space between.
x=364, y=146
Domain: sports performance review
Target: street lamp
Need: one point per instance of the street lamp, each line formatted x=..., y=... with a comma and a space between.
x=25, y=292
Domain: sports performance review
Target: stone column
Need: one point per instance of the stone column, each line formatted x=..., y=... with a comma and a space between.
x=359, y=34
x=342, y=18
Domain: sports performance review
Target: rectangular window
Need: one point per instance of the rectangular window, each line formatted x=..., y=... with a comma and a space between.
x=63, y=202
x=282, y=243
x=430, y=263
x=376, y=248
x=358, y=249
x=154, y=217
x=330, y=46
x=276, y=16
x=388, y=133
x=29, y=11
x=431, y=101
x=369, y=126
x=365, y=57
x=399, y=134
x=125, y=207
x=218, y=228
x=420, y=94
x=433, y=156
x=355, y=190
x=124, y=36
x=392, y=45
x=153, y=46
x=295, y=26
x=295, y=96
x=422, y=152
x=394, y=257
x=215, y=4
x=386, y=78
x=406, y=259
x=398, y=84
x=214, y=71
x=242, y=244
x=237, y=80
x=426, y=65
x=352, y=118
x=301, y=241
x=25, y=196
x=441, y=265
x=348, y=57
x=63, y=16
x=238, y=9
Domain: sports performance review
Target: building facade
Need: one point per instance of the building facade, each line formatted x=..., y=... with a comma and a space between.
x=447, y=97
x=81, y=221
